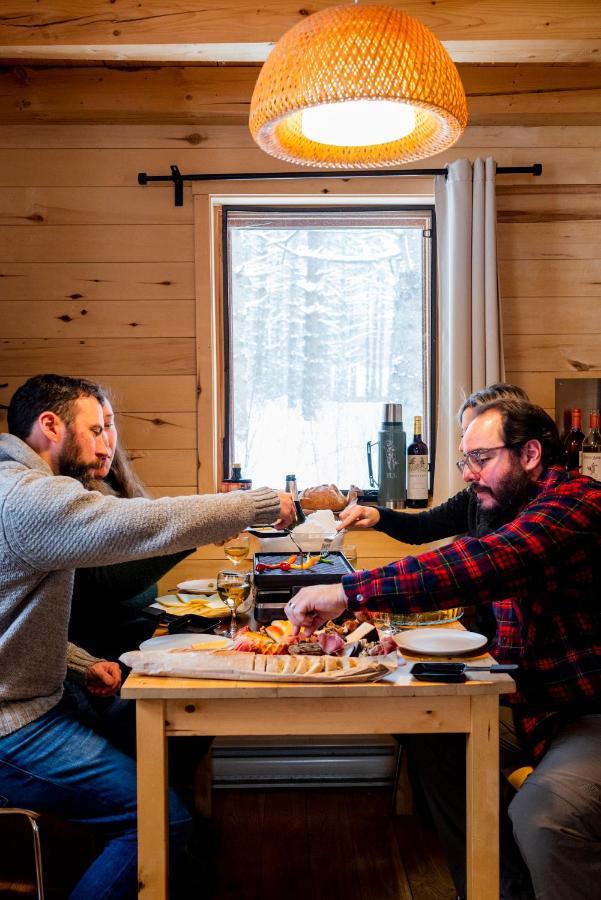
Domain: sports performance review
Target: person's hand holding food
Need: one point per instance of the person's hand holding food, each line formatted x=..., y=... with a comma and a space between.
x=313, y=606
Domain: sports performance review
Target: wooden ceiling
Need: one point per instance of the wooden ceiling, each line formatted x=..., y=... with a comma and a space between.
x=529, y=62
x=474, y=31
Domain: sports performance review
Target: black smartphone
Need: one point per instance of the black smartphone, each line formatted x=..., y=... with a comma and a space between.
x=192, y=624
x=158, y=615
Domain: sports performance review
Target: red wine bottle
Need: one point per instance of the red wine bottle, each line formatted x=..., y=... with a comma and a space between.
x=572, y=444
x=417, y=468
x=591, y=449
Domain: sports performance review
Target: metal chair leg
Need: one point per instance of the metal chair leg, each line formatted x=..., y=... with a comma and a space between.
x=37, y=853
x=37, y=846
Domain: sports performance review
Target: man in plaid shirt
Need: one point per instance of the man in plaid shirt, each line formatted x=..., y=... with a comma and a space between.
x=540, y=569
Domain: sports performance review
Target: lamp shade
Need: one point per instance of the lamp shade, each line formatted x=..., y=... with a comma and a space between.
x=388, y=73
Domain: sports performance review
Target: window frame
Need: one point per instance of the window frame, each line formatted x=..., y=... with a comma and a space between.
x=430, y=312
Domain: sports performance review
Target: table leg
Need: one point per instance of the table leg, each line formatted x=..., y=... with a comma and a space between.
x=153, y=834
x=482, y=783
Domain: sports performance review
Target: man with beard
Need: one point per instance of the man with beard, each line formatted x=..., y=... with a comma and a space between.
x=49, y=525
x=459, y=515
x=541, y=571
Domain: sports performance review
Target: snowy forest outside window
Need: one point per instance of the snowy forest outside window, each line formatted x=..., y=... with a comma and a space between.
x=327, y=317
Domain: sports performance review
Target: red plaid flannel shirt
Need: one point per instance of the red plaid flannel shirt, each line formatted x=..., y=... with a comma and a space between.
x=542, y=574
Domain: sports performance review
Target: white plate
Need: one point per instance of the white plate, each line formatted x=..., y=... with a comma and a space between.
x=198, y=586
x=172, y=641
x=439, y=641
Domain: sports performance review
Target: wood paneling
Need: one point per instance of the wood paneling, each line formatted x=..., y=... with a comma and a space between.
x=96, y=281
x=96, y=243
x=107, y=136
x=550, y=240
x=166, y=467
x=35, y=206
x=133, y=393
x=119, y=168
x=553, y=353
x=158, y=431
x=202, y=96
x=107, y=319
x=550, y=278
x=551, y=315
x=111, y=356
x=509, y=28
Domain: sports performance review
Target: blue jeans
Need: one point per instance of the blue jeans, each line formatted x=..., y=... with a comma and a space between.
x=60, y=766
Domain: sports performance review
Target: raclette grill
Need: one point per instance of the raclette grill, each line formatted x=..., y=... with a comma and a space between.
x=274, y=588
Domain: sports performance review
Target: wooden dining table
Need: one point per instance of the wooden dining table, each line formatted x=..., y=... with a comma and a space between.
x=397, y=705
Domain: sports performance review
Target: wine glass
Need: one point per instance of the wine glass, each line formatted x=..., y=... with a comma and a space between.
x=233, y=588
x=350, y=551
x=236, y=549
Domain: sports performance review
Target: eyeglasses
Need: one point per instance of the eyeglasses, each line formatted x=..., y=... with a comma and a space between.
x=477, y=459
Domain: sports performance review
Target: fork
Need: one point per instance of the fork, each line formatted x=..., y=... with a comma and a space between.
x=328, y=541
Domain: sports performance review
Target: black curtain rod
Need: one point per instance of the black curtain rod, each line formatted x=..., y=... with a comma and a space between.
x=178, y=179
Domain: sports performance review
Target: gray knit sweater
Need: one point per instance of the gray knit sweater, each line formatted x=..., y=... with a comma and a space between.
x=50, y=525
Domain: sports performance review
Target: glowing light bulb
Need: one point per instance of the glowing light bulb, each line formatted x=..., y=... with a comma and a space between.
x=357, y=123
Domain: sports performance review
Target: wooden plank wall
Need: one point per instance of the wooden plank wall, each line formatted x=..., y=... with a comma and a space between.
x=97, y=273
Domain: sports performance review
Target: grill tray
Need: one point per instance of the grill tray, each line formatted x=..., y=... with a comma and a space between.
x=321, y=573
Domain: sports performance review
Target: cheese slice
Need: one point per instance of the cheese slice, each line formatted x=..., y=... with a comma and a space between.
x=211, y=645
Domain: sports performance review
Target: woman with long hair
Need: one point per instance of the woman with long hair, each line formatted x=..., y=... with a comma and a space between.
x=106, y=618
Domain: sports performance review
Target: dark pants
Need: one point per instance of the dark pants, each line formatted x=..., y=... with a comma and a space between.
x=550, y=830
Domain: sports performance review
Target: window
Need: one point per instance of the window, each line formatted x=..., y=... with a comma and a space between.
x=327, y=317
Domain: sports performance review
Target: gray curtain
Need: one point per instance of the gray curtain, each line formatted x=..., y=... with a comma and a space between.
x=470, y=352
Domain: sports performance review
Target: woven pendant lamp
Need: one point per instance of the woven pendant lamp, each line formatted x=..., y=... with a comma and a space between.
x=376, y=68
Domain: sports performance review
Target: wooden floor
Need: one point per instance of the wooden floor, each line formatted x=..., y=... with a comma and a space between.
x=297, y=844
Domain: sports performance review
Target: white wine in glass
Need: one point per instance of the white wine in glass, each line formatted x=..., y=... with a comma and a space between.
x=237, y=549
x=234, y=589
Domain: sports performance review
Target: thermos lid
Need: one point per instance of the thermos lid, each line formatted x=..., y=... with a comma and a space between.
x=392, y=413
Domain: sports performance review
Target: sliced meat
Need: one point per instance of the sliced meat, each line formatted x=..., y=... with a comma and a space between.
x=330, y=643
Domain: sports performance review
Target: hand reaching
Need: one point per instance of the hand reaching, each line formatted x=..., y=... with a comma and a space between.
x=358, y=517
x=313, y=606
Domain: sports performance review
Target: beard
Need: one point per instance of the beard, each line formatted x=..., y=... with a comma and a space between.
x=510, y=497
x=71, y=464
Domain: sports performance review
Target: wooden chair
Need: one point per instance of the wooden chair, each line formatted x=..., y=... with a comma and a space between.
x=32, y=818
x=516, y=777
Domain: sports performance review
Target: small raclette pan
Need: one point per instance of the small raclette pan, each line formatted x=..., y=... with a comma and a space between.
x=453, y=672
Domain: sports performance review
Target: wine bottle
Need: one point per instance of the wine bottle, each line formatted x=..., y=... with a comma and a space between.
x=417, y=468
x=292, y=489
x=572, y=445
x=591, y=449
